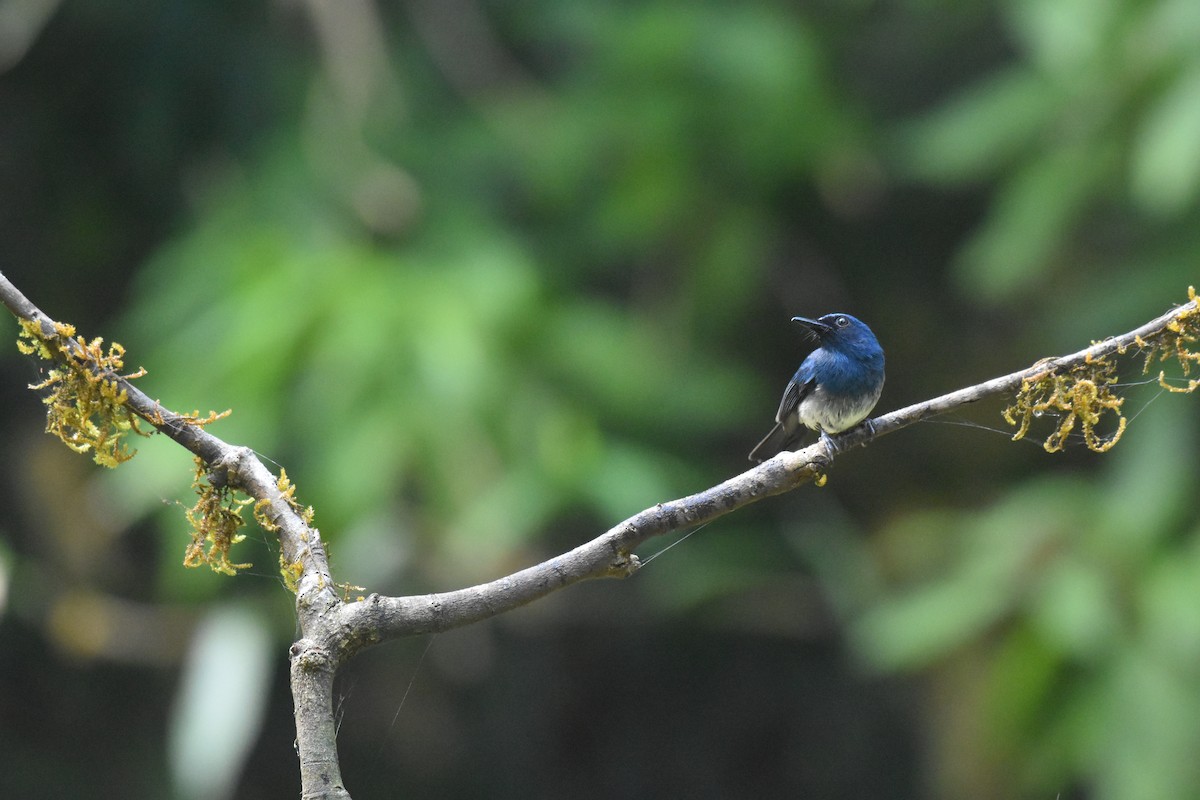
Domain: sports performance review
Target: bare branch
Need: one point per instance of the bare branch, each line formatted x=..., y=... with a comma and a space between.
x=316, y=730
x=379, y=618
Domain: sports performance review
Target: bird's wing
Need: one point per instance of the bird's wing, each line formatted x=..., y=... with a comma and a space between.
x=786, y=422
x=796, y=391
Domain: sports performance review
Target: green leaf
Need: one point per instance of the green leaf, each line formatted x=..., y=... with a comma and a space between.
x=979, y=132
x=1032, y=219
x=1165, y=173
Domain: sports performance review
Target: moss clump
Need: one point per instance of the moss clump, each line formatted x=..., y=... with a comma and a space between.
x=291, y=571
x=1173, y=343
x=85, y=402
x=216, y=520
x=1083, y=395
x=1080, y=396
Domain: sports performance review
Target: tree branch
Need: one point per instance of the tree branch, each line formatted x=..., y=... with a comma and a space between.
x=334, y=630
x=380, y=618
x=312, y=675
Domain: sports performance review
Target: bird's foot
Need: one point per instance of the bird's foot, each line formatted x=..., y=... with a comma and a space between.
x=835, y=448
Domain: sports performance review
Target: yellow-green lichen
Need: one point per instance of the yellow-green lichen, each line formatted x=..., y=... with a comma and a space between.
x=288, y=490
x=1081, y=395
x=290, y=570
x=216, y=520
x=85, y=403
x=291, y=573
x=1174, y=343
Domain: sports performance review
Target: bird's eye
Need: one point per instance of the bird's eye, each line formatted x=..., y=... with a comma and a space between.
x=841, y=322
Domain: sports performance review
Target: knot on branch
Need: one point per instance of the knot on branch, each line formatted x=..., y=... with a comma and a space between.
x=624, y=564
x=309, y=656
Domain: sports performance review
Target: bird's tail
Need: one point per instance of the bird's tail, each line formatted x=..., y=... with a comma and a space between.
x=771, y=444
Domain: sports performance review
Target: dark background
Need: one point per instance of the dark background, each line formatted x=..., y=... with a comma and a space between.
x=488, y=278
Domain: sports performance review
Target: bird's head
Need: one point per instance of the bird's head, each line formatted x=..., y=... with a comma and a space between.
x=839, y=331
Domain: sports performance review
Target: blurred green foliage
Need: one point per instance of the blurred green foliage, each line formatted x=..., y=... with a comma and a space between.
x=489, y=278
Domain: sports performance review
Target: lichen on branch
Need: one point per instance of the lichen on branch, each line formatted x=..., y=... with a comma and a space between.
x=1083, y=394
x=87, y=395
x=1173, y=343
x=216, y=520
x=290, y=570
x=85, y=403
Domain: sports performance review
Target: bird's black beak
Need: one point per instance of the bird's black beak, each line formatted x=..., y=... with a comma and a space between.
x=816, y=328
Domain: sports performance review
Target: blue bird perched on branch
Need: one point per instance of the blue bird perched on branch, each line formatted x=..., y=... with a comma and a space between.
x=834, y=389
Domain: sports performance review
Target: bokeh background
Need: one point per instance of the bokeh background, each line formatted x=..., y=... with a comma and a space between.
x=489, y=277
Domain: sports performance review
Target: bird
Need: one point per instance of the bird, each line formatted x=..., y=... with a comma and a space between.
x=835, y=387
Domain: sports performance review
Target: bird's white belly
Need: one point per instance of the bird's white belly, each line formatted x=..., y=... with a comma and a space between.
x=822, y=413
